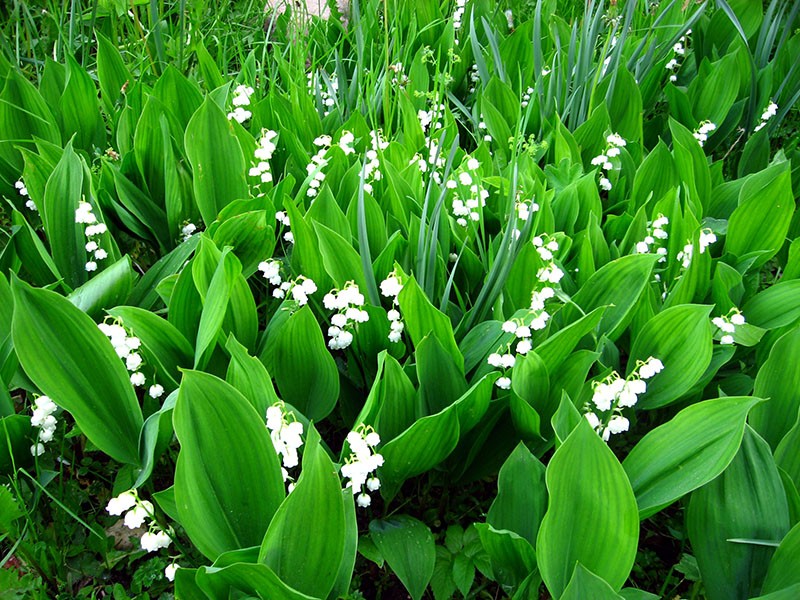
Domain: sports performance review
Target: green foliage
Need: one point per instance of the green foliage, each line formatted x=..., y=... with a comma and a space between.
x=477, y=294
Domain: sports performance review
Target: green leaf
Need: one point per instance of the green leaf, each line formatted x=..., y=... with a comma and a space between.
x=680, y=337
x=685, y=453
x=70, y=360
x=762, y=219
x=216, y=303
x=221, y=433
x=418, y=449
x=585, y=584
x=512, y=557
x=305, y=541
x=422, y=318
x=441, y=382
x=746, y=501
x=779, y=380
x=218, y=166
x=784, y=568
x=257, y=580
x=521, y=495
x=16, y=434
x=109, y=287
x=591, y=509
x=408, y=547
x=618, y=286
x=61, y=197
x=342, y=263
x=774, y=307
x=249, y=375
x=304, y=370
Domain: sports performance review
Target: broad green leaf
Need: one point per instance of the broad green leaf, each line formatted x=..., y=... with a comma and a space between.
x=250, y=234
x=591, y=509
x=746, y=501
x=304, y=370
x=70, y=360
x=144, y=293
x=556, y=348
x=680, y=337
x=249, y=375
x=418, y=449
x=221, y=433
x=24, y=116
x=217, y=162
x=618, y=286
x=684, y=453
x=80, y=110
x=257, y=580
x=111, y=73
x=762, y=219
x=512, y=556
x=784, y=568
x=422, y=318
x=215, y=306
x=341, y=261
x=787, y=454
x=713, y=91
x=109, y=287
x=61, y=197
x=776, y=306
x=779, y=380
x=16, y=434
x=521, y=495
x=441, y=382
x=305, y=540
x=585, y=584
x=408, y=547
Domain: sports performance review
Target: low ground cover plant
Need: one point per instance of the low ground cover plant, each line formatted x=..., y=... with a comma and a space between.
x=427, y=300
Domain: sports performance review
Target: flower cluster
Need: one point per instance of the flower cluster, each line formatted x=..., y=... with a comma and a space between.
x=707, y=237
x=399, y=79
x=299, y=289
x=263, y=153
x=603, y=160
x=318, y=162
x=771, y=111
x=614, y=393
x=371, y=169
x=327, y=91
x=282, y=218
x=126, y=348
x=484, y=130
x=674, y=64
x=93, y=230
x=347, y=303
x=391, y=287
x=655, y=238
x=43, y=418
x=727, y=324
x=701, y=133
x=241, y=98
x=466, y=207
x=286, y=436
x=188, y=230
x=137, y=512
x=458, y=15
x=546, y=247
x=23, y=191
x=526, y=97
x=524, y=207
x=474, y=78
x=362, y=461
